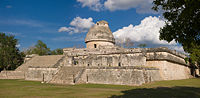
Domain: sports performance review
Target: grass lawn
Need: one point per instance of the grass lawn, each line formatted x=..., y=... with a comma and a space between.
x=189, y=88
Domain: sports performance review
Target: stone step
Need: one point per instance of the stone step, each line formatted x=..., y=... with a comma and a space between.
x=41, y=61
x=66, y=75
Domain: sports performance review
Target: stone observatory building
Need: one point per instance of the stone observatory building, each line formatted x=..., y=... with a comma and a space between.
x=99, y=35
x=102, y=62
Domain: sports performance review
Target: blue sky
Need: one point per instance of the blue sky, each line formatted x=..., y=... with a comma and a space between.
x=32, y=20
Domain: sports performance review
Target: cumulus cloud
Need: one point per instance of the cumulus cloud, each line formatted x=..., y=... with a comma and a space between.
x=92, y=4
x=141, y=6
x=78, y=25
x=146, y=32
x=177, y=47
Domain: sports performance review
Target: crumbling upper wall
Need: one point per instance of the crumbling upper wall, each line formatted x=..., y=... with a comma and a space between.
x=165, y=49
x=165, y=54
x=137, y=59
x=117, y=54
x=103, y=50
x=105, y=56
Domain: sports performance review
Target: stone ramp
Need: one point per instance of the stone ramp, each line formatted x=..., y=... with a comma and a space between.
x=67, y=75
x=40, y=61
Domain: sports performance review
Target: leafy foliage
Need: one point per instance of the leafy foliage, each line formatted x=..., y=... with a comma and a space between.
x=182, y=25
x=142, y=45
x=10, y=56
x=41, y=49
x=57, y=52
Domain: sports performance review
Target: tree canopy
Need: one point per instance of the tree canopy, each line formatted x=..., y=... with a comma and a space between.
x=182, y=25
x=57, y=52
x=41, y=49
x=142, y=45
x=10, y=56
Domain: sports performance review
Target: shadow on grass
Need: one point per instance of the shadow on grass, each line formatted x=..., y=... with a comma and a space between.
x=161, y=92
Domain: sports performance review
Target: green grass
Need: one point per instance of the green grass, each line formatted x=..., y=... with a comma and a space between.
x=189, y=88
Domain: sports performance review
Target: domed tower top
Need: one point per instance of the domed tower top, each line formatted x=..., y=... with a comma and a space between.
x=100, y=32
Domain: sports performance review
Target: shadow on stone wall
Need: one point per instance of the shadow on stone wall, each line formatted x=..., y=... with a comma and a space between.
x=161, y=92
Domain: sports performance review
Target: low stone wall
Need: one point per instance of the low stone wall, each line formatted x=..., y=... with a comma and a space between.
x=121, y=75
x=40, y=74
x=170, y=70
x=171, y=64
x=165, y=56
x=12, y=75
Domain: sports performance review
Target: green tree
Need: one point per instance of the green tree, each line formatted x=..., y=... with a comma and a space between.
x=142, y=45
x=182, y=25
x=40, y=48
x=10, y=56
x=57, y=52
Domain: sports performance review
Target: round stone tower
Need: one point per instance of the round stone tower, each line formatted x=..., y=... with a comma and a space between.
x=99, y=35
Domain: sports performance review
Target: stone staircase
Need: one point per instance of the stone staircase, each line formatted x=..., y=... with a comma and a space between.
x=79, y=76
x=67, y=75
x=48, y=61
x=41, y=61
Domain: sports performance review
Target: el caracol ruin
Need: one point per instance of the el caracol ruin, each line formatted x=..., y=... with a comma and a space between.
x=102, y=62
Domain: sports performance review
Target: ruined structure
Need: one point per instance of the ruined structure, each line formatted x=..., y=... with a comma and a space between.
x=104, y=63
x=99, y=35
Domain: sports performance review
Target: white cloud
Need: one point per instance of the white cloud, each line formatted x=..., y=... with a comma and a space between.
x=146, y=32
x=18, y=45
x=78, y=25
x=141, y=6
x=177, y=47
x=92, y=4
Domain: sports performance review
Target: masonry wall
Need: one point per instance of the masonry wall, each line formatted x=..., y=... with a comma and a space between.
x=67, y=75
x=12, y=75
x=121, y=76
x=172, y=65
x=40, y=74
x=90, y=45
x=170, y=70
x=110, y=60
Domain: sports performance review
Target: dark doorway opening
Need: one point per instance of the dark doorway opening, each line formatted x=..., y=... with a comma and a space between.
x=95, y=45
x=119, y=64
